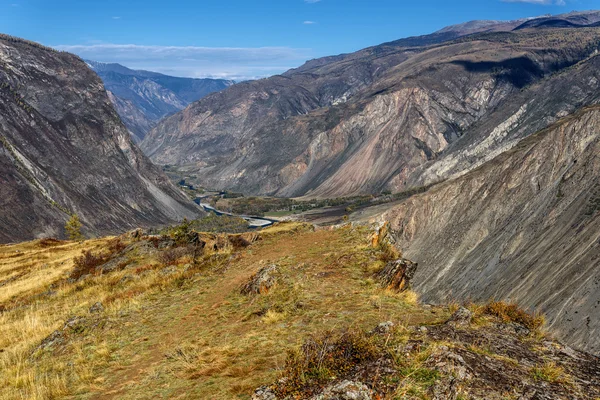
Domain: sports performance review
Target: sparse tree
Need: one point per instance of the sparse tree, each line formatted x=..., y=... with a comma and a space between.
x=73, y=228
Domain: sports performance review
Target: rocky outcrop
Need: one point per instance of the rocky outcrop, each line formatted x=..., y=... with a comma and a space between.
x=523, y=226
x=393, y=117
x=450, y=361
x=64, y=150
x=396, y=275
x=262, y=281
x=142, y=98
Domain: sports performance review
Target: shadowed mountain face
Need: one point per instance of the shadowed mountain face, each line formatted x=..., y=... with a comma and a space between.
x=142, y=98
x=368, y=121
x=63, y=149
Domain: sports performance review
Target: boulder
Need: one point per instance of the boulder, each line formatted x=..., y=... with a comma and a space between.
x=345, y=390
x=397, y=274
x=262, y=281
x=264, y=393
x=462, y=316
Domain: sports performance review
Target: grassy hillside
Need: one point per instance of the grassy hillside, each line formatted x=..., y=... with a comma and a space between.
x=142, y=317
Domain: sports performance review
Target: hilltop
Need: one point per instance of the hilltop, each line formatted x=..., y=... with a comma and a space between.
x=222, y=316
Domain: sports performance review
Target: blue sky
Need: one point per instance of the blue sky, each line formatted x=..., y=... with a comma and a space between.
x=242, y=39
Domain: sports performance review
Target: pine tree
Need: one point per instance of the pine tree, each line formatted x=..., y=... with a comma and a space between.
x=73, y=228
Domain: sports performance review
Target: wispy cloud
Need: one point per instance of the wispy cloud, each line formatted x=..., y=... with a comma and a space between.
x=540, y=2
x=309, y=22
x=312, y=1
x=116, y=17
x=224, y=62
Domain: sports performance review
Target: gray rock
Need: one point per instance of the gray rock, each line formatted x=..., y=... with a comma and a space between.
x=384, y=327
x=264, y=393
x=462, y=316
x=96, y=308
x=345, y=390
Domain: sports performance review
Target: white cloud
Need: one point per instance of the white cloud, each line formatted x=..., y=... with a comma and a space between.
x=309, y=22
x=312, y=1
x=116, y=17
x=224, y=62
x=540, y=2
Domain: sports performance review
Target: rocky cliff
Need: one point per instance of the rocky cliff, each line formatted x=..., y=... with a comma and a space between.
x=381, y=118
x=524, y=226
x=142, y=98
x=63, y=150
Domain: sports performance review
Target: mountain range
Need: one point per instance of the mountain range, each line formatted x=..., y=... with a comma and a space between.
x=142, y=98
x=372, y=120
x=496, y=122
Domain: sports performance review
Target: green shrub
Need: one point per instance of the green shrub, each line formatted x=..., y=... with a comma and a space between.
x=73, y=228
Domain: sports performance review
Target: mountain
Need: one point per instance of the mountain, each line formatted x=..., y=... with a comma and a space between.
x=524, y=226
x=372, y=120
x=63, y=150
x=142, y=98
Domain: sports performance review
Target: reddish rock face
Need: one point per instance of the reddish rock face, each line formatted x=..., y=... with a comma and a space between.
x=64, y=150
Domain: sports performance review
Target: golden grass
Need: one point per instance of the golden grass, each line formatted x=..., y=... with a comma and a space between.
x=550, y=372
x=510, y=312
x=189, y=332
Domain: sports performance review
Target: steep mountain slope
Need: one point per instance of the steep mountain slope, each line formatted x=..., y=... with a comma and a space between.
x=142, y=98
x=524, y=226
x=63, y=149
x=367, y=121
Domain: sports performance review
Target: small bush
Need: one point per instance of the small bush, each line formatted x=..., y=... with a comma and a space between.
x=86, y=264
x=549, y=372
x=325, y=356
x=511, y=312
x=171, y=256
x=168, y=256
x=116, y=246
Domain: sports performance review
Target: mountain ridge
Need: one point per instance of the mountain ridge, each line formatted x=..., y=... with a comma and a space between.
x=304, y=116
x=65, y=151
x=142, y=97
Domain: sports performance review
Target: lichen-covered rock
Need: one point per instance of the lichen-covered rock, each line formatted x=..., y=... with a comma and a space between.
x=462, y=316
x=262, y=281
x=345, y=390
x=264, y=393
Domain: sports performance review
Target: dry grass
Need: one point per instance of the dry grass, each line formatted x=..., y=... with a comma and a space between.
x=184, y=333
x=511, y=312
x=550, y=372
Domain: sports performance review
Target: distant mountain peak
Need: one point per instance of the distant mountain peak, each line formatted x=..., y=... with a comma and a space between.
x=142, y=97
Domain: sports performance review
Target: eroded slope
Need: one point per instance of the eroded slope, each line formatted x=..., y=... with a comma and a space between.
x=368, y=121
x=64, y=150
x=523, y=226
